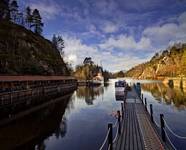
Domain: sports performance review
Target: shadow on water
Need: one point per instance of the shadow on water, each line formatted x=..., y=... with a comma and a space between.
x=167, y=94
x=58, y=125
x=30, y=131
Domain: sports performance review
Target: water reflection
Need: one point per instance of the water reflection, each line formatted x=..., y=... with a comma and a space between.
x=31, y=131
x=89, y=94
x=169, y=95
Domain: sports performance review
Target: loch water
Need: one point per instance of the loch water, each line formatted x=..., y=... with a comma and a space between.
x=79, y=121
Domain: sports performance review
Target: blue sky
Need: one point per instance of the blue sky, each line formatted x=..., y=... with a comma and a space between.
x=117, y=33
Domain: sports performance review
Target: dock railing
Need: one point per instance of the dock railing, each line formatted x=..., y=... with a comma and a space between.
x=164, y=128
x=109, y=140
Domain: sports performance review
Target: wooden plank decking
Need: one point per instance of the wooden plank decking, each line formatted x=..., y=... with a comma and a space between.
x=131, y=138
x=137, y=131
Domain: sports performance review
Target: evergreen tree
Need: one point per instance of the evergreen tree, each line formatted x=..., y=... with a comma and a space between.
x=20, y=19
x=28, y=18
x=54, y=41
x=58, y=43
x=14, y=11
x=37, y=22
x=4, y=9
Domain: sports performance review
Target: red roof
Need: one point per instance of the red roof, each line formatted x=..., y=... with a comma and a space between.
x=32, y=78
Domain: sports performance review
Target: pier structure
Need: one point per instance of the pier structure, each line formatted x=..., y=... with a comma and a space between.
x=135, y=127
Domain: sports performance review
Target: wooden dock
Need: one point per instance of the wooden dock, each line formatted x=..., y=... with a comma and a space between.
x=137, y=130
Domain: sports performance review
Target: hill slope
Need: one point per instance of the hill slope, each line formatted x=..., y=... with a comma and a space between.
x=169, y=63
x=24, y=52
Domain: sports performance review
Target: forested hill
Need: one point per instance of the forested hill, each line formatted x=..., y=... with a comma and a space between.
x=168, y=63
x=24, y=52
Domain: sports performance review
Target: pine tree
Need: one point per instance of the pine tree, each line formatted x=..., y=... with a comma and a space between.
x=61, y=45
x=28, y=18
x=14, y=11
x=20, y=19
x=4, y=10
x=54, y=41
x=58, y=43
x=37, y=22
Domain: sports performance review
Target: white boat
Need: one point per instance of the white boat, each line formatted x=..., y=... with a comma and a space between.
x=120, y=87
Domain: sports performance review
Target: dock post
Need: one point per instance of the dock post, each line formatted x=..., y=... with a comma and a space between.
x=151, y=113
x=11, y=97
x=122, y=110
x=162, y=127
x=110, y=136
x=119, y=122
x=146, y=104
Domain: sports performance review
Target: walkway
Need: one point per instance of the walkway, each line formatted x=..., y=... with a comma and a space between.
x=137, y=132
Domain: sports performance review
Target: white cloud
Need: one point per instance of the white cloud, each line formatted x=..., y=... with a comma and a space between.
x=110, y=28
x=161, y=36
x=48, y=9
x=92, y=30
x=71, y=58
x=76, y=51
x=123, y=62
x=126, y=43
x=105, y=7
x=182, y=18
x=107, y=50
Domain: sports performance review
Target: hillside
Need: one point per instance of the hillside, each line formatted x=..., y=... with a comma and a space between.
x=23, y=52
x=169, y=63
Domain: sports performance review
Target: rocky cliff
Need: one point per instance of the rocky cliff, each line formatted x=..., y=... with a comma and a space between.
x=168, y=63
x=26, y=53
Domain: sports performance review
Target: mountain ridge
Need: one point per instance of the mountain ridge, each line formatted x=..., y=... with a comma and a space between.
x=169, y=63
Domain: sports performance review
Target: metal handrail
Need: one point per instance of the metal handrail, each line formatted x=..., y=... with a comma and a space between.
x=105, y=140
x=170, y=141
x=116, y=136
x=176, y=135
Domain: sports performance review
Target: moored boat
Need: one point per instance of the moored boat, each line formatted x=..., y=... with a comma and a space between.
x=120, y=85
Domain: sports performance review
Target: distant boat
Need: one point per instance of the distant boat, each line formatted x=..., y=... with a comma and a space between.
x=120, y=87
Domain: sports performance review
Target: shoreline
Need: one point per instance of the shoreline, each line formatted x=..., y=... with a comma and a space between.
x=169, y=81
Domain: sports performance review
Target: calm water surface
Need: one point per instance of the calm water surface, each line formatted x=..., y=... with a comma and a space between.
x=79, y=122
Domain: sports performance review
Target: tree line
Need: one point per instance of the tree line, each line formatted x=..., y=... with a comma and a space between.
x=30, y=19
x=88, y=70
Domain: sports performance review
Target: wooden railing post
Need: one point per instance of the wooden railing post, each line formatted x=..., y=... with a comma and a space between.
x=151, y=113
x=110, y=136
x=119, y=122
x=122, y=110
x=162, y=127
x=11, y=97
x=2, y=100
x=146, y=104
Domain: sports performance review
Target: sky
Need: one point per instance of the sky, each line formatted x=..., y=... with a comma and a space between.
x=117, y=34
